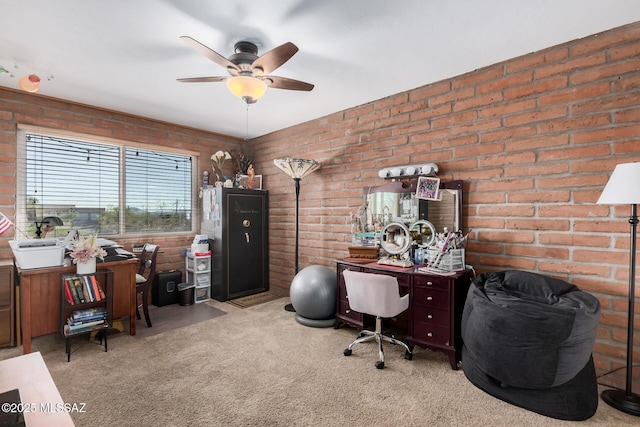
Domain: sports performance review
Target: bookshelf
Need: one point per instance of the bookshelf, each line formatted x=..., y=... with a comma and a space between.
x=86, y=306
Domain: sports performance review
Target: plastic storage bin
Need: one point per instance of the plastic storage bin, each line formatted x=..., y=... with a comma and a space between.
x=202, y=293
x=186, y=293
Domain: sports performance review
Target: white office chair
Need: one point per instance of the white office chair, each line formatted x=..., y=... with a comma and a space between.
x=377, y=295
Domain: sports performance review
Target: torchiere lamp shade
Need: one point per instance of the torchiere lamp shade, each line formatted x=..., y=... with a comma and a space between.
x=296, y=168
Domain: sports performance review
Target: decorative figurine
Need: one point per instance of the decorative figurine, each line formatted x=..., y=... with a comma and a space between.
x=252, y=175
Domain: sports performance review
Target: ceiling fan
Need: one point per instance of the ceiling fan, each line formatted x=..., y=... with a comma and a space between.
x=249, y=73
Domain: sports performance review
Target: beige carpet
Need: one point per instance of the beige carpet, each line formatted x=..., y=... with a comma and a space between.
x=258, y=367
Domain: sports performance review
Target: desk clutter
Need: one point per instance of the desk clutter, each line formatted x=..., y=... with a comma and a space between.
x=418, y=244
x=53, y=252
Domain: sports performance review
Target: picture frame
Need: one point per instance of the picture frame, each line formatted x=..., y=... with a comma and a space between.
x=428, y=188
x=243, y=182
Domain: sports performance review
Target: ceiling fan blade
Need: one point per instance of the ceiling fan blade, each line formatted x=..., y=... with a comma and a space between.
x=202, y=79
x=211, y=54
x=290, y=84
x=275, y=58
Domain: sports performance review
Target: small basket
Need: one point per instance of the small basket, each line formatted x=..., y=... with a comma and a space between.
x=451, y=260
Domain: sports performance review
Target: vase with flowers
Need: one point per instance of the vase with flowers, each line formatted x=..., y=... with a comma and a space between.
x=84, y=253
x=217, y=162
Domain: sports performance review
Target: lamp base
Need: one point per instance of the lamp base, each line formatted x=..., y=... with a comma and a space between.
x=289, y=307
x=619, y=399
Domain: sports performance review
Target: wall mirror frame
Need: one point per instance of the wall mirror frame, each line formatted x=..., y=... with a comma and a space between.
x=396, y=201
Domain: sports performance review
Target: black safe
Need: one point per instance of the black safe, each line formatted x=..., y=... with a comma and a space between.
x=239, y=259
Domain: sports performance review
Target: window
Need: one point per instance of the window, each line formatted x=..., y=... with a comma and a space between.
x=108, y=188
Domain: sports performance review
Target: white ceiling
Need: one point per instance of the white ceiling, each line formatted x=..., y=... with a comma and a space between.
x=126, y=55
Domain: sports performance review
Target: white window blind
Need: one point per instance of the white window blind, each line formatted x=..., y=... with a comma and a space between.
x=103, y=188
x=158, y=191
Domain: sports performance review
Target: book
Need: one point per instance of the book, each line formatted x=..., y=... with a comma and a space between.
x=69, y=330
x=78, y=286
x=73, y=321
x=88, y=312
x=87, y=324
x=67, y=293
x=95, y=286
x=72, y=288
x=87, y=288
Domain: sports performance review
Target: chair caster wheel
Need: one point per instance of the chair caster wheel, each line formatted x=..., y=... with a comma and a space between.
x=347, y=352
x=408, y=355
x=380, y=365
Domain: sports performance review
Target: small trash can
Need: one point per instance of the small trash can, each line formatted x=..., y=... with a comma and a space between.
x=186, y=293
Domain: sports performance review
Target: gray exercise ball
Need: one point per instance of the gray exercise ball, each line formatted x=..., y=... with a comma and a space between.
x=313, y=295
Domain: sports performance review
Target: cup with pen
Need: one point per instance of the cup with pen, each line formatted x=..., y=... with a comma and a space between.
x=447, y=252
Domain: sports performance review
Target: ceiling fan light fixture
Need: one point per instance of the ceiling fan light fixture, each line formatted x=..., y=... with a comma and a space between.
x=247, y=88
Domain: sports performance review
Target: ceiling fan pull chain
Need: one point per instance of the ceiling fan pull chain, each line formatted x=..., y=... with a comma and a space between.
x=246, y=138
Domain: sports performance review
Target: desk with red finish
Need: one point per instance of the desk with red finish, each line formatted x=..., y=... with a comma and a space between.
x=435, y=310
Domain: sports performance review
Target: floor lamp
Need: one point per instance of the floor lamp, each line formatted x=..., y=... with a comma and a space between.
x=624, y=188
x=296, y=169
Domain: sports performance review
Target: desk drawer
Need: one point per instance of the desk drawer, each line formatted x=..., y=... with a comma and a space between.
x=431, y=282
x=431, y=334
x=5, y=294
x=345, y=310
x=5, y=327
x=427, y=316
x=430, y=298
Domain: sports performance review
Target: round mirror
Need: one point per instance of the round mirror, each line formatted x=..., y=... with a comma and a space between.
x=395, y=238
x=423, y=233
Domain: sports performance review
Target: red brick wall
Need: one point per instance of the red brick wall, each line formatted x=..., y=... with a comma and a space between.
x=534, y=138
x=17, y=107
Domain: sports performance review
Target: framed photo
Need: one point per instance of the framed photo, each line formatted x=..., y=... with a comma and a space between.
x=243, y=182
x=428, y=188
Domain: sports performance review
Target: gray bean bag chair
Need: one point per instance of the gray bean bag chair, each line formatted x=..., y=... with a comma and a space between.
x=528, y=340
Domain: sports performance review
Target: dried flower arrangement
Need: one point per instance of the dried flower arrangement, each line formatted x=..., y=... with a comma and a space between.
x=85, y=248
x=241, y=161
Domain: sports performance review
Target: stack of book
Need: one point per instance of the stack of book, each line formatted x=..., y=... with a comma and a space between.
x=81, y=289
x=86, y=319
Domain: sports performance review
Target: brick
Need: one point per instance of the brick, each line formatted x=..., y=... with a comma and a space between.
x=573, y=94
x=536, y=88
x=571, y=65
x=537, y=224
x=505, y=82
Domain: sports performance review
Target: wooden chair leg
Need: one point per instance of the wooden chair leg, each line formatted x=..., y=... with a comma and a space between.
x=145, y=307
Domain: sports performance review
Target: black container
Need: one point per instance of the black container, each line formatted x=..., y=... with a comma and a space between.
x=186, y=293
x=164, y=289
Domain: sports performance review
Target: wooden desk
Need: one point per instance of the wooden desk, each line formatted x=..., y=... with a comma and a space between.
x=38, y=393
x=436, y=304
x=40, y=297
